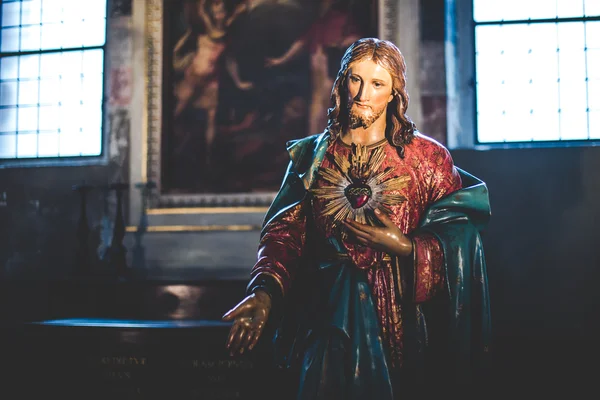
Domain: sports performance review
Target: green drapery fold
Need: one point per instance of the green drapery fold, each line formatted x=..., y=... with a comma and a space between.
x=457, y=221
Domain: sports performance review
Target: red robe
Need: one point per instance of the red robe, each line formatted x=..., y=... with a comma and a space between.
x=432, y=176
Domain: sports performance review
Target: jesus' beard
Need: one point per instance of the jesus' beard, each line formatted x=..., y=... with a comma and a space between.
x=358, y=120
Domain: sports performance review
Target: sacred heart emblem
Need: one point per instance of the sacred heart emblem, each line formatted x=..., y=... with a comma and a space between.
x=358, y=183
x=358, y=194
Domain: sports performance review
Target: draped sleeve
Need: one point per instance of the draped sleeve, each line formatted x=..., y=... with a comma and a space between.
x=428, y=256
x=279, y=252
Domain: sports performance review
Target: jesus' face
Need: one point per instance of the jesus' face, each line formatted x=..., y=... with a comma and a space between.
x=369, y=88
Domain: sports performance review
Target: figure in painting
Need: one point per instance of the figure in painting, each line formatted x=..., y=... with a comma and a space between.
x=370, y=264
x=197, y=56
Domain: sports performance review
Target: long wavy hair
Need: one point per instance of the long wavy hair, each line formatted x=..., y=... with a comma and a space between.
x=400, y=129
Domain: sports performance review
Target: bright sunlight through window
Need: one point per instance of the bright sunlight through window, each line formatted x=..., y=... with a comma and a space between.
x=51, y=78
x=537, y=68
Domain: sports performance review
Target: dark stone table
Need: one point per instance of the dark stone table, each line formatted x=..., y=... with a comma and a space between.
x=173, y=349
x=130, y=359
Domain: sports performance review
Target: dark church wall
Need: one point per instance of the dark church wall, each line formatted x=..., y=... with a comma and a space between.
x=543, y=261
x=39, y=239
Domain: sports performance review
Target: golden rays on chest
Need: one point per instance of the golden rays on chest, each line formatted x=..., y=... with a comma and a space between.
x=357, y=185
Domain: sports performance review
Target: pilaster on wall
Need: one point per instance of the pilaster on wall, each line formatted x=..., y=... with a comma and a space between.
x=460, y=73
x=400, y=22
x=139, y=124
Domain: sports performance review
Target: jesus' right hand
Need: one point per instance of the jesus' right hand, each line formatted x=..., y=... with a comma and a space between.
x=249, y=318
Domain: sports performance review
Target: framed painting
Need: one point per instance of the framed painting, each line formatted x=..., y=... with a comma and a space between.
x=230, y=82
